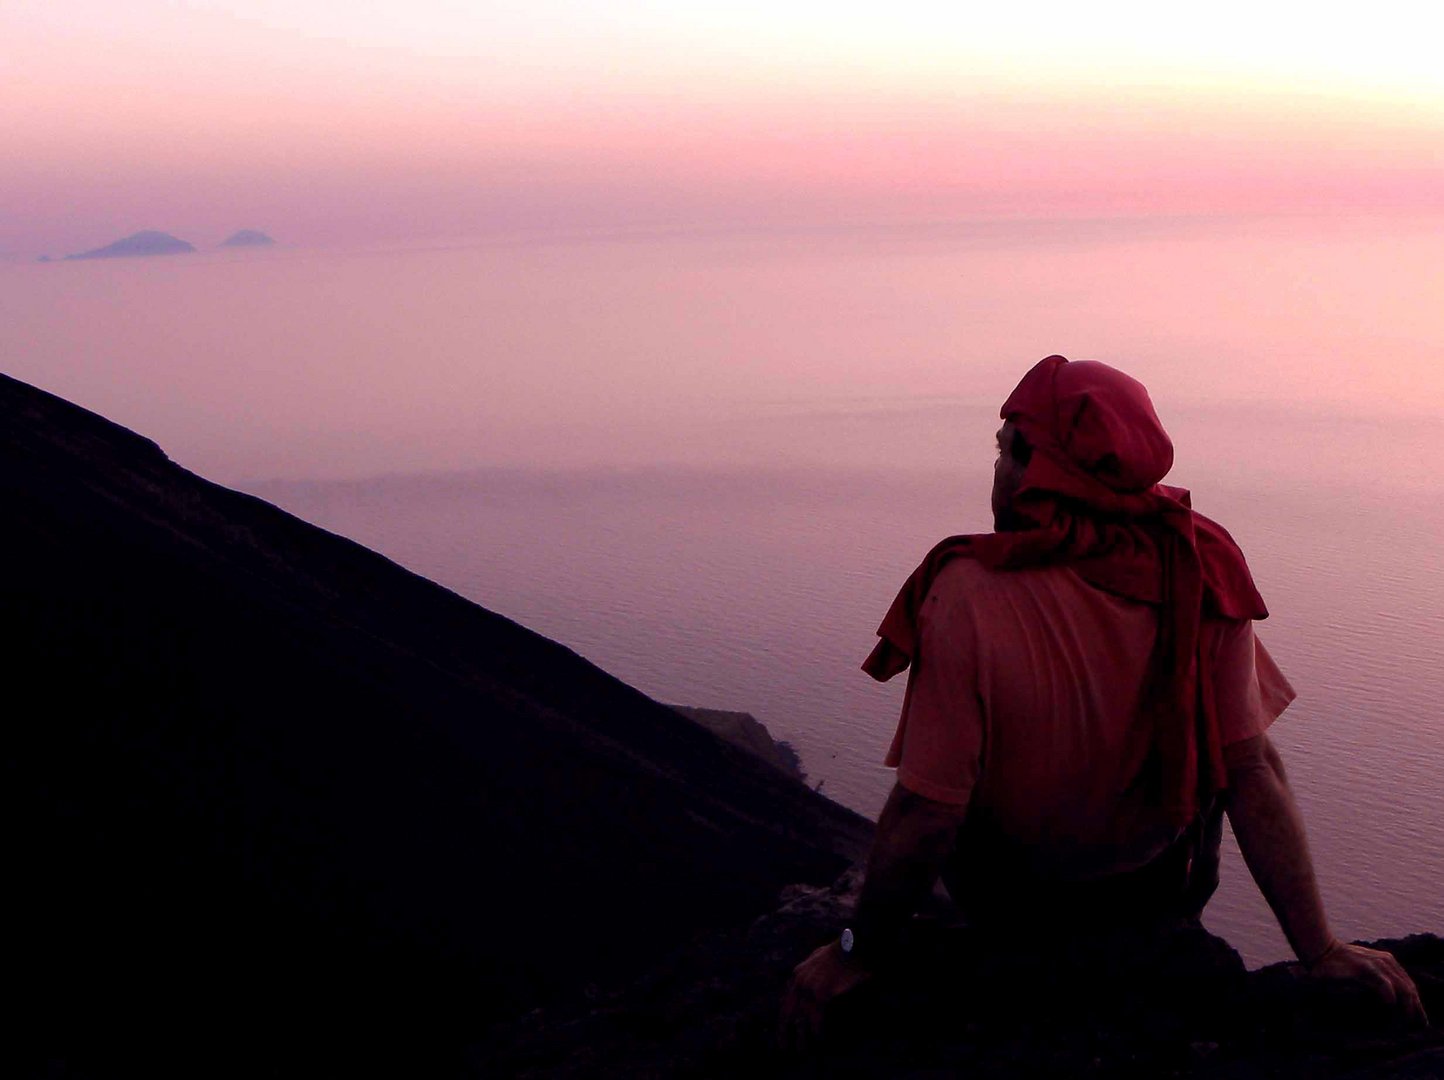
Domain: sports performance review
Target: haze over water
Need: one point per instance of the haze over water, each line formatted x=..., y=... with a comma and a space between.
x=706, y=460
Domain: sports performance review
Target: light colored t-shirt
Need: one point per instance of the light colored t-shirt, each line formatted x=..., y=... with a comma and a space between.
x=1024, y=704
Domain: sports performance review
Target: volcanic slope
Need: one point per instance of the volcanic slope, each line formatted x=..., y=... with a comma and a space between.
x=271, y=782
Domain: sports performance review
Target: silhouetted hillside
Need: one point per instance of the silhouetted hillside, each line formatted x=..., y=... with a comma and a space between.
x=275, y=791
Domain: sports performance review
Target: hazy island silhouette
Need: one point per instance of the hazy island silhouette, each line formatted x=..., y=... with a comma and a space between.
x=150, y=242
x=144, y=243
x=247, y=238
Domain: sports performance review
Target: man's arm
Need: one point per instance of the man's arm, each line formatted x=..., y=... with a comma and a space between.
x=914, y=837
x=1270, y=833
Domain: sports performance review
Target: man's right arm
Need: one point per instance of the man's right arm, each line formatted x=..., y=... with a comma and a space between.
x=1270, y=833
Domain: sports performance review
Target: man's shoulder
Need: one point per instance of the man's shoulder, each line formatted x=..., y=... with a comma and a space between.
x=969, y=573
x=969, y=582
x=967, y=596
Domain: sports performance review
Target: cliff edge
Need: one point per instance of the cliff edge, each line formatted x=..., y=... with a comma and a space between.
x=279, y=792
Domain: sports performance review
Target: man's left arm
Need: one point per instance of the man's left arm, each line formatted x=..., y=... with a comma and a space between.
x=914, y=837
x=937, y=752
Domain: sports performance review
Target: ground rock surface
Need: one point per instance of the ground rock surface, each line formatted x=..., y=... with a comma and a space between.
x=1141, y=1006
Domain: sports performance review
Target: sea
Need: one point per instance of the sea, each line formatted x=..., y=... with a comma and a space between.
x=706, y=460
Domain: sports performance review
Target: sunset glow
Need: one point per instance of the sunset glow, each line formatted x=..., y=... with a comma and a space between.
x=563, y=537
x=343, y=122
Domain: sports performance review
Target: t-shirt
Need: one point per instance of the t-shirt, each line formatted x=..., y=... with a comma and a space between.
x=1023, y=703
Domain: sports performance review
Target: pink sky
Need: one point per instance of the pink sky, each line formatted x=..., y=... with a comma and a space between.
x=327, y=122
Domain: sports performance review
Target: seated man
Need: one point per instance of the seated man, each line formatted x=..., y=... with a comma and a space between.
x=1086, y=699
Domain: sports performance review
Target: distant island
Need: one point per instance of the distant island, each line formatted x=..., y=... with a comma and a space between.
x=148, y=242
x=247, y=238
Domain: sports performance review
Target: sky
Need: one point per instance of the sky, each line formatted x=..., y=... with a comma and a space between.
x=355, y=122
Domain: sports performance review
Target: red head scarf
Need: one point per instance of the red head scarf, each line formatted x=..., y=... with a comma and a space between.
x=1092, y=497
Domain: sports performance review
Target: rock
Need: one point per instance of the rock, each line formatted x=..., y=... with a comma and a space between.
x=747, y=732
x=247, y=238
x=1170, y=1002
x=149, y=242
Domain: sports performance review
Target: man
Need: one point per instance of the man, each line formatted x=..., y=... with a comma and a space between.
x=1086, y=699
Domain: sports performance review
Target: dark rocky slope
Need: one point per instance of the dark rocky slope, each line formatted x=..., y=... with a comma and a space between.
x=283, y=805
x=1133, y=1006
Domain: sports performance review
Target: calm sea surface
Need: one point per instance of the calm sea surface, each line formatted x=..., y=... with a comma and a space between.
x=707, y=463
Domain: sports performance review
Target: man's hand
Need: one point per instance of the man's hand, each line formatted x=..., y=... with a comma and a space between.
x=1270, y=832
x=824, y=975
x=914, y=835
x=1377, y=971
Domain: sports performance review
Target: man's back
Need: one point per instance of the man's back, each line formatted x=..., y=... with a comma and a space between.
x=1024, y=703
